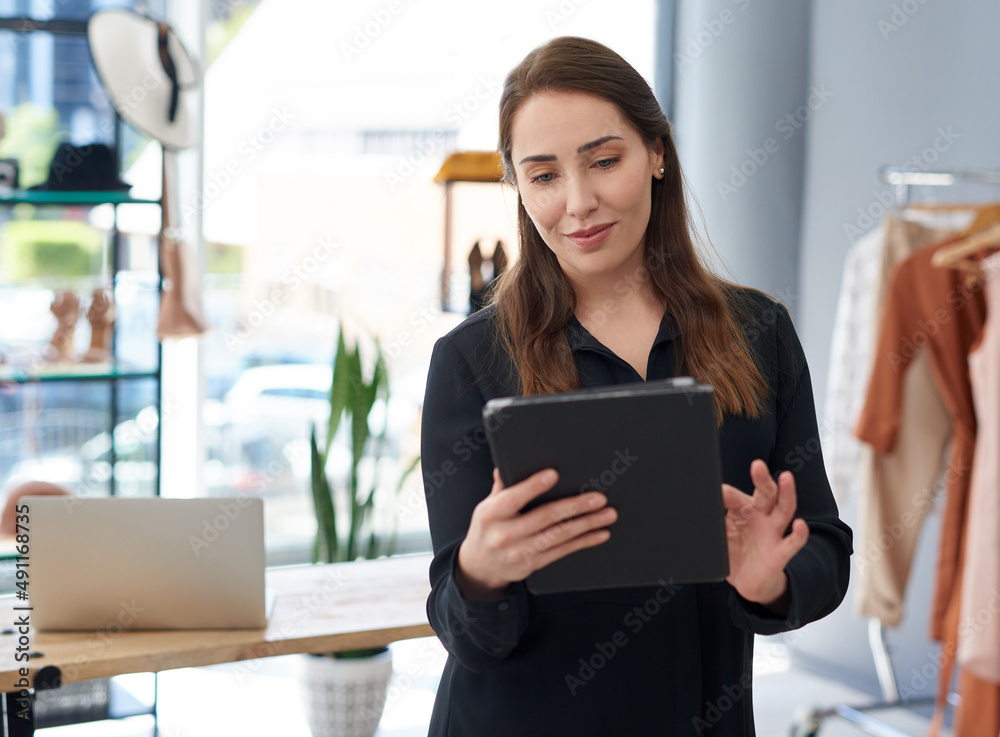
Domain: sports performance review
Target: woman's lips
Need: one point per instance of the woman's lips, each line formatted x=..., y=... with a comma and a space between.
x=591, y=237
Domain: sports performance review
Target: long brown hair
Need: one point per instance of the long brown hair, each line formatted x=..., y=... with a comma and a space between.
x=534, y=300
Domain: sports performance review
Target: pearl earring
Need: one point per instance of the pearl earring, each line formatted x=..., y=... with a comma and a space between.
x=662, y=170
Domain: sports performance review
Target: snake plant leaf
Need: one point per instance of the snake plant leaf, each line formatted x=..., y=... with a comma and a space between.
x=377, y=389
x=358, y=409
x=363, y=398
x=352, y=399
x=366, y=513
x=339, y=390
x=326, y=545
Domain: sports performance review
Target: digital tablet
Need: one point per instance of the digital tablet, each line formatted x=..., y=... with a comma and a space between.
x=653, y=449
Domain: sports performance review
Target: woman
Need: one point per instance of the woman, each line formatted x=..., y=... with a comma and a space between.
x=607, y=288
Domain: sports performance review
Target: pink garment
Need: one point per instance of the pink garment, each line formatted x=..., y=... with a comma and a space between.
x=979, y=630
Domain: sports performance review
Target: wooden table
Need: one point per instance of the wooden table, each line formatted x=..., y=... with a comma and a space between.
x=316, y=609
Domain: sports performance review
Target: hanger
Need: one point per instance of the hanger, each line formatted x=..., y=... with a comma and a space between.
x=986, y=217
x=961, y=254
x=957, y=255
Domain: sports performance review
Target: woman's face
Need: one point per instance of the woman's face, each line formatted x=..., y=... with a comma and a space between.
x=585, y=179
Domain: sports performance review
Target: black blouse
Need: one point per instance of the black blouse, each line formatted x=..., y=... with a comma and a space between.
x=674, y=660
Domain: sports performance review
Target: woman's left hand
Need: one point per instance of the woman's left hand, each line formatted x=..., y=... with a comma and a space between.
x=759, y=550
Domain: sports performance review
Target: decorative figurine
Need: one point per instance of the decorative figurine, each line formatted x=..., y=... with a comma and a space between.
x=66, y=308
x=101, y=316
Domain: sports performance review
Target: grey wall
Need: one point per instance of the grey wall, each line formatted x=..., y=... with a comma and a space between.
x=902, y=82
x=739, y=68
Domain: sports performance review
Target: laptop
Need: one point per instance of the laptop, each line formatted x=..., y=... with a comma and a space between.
x=145, y=564
x=653, y=449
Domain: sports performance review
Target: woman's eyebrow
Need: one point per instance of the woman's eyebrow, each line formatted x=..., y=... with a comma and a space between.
x=582, y=149
x=538, y=157
x=597, y=142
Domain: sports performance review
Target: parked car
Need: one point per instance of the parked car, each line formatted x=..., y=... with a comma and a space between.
x=259, y=433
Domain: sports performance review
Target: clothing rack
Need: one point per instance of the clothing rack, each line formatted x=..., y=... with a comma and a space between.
x=809, y=723
x=902, y=178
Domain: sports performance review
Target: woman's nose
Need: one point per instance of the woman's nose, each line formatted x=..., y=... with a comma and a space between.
x=581, y=199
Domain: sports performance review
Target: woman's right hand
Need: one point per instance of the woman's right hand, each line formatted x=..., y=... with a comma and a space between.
x=504, y=545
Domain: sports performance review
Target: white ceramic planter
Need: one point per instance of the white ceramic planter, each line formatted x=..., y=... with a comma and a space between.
x=345, y=697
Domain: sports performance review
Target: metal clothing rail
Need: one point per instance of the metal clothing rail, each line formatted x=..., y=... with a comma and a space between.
x=808, y=724
x=902, y=178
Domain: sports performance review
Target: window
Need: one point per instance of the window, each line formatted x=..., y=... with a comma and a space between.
x=320, y=156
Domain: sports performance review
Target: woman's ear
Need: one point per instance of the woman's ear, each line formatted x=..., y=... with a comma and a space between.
x=656, y=157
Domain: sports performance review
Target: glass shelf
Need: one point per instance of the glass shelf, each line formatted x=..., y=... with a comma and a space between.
x=66, y=371
x=19, y=196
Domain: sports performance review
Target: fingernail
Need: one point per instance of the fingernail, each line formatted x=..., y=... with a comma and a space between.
x=597, y=500
x=549, y=476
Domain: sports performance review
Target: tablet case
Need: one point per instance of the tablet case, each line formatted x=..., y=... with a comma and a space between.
x=653, y=448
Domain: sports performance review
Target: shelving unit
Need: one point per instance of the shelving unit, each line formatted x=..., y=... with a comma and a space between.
x=112, y=373
x=115, y=373
x=68, y=199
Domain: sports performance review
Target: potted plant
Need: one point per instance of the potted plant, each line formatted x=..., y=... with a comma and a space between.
x=352, y=398
x=346, y=691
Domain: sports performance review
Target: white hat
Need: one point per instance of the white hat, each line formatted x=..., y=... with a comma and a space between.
x=152, y=80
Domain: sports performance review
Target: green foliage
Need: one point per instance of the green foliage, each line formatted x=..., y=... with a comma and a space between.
x=31, y=137
x=352, y=397
x=224, y=259
x=45, y=248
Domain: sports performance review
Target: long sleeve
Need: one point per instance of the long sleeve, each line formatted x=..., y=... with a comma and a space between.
x=818, y=574
x=457, y=476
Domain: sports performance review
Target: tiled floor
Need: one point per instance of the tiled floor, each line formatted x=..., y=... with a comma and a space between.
x=262, y=698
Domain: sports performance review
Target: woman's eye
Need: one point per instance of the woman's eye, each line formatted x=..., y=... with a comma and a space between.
x=607, y=163
x=542, y=178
